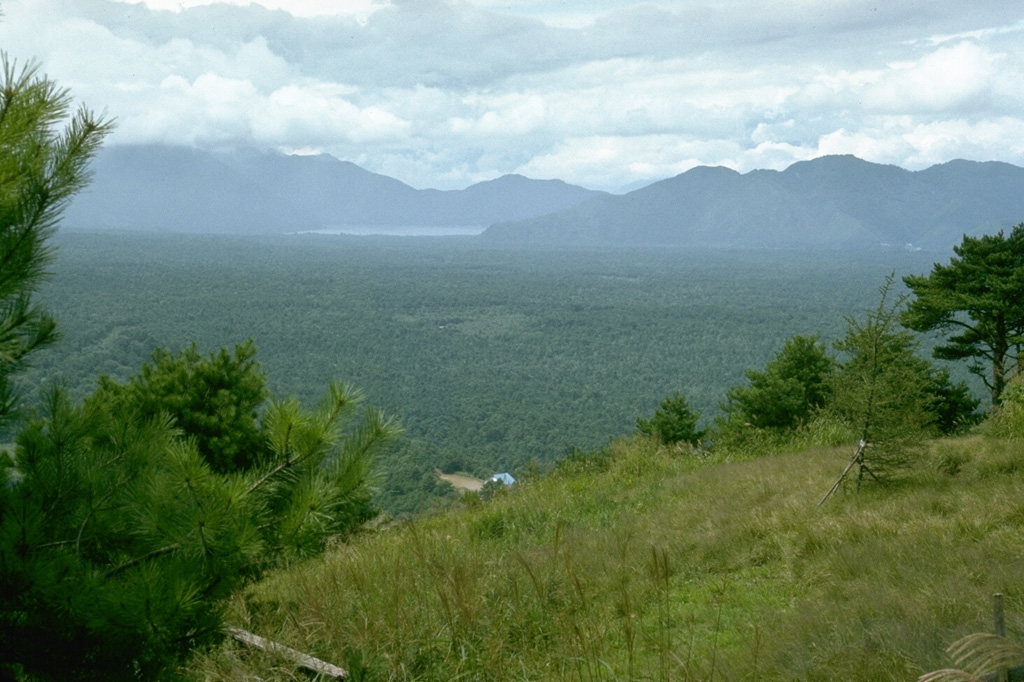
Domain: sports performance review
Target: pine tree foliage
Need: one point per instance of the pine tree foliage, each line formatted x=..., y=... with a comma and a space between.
x=673, y=422
x=318, y=475
x=119, y=543
x=99, y=574
x=214, y=399
x=127, y=520
x=881, y=388
x=953, y=407
x=45, y=148
x=978, y=299
x=786, y=393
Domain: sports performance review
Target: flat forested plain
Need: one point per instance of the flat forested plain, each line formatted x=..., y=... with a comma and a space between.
x=490, y=357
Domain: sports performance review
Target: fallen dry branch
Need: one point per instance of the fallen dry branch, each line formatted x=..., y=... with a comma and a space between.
x=302, y=660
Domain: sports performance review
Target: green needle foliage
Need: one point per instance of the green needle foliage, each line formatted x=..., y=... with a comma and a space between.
x=673, y=422
x=789, y=389
x=112, y=547
x=120, y=543
x=954, y=409
x=881, y=389
x=44, y=152
x=317, y=473
x=127, y=521
x=215, y=400
x=979, y=300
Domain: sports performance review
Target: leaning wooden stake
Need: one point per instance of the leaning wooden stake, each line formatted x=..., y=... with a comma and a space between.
x=859, y=457
x=303, y=660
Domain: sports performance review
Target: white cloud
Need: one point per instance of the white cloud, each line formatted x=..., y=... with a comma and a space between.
x=319, y=113
x=361, y=9
x=958, y=79
x=201, y=112
x=951, y=78
x=507, y=115
x=977, y=34
x=773, y=155
x=213, y=110
x=612, y=162
x=442, y=93
x=1000, y=139
x=870, y=145
x=902, y=141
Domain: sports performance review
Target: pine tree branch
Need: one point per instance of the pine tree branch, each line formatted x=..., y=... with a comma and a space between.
x=56, y=543
x=95, y=507
x=121, y=568
x=277, y=469
x=202, y=523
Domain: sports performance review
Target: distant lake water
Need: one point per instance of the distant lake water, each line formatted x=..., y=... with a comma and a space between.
x=403, y=230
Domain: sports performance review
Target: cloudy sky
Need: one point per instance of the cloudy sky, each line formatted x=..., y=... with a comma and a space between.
x=601, y=93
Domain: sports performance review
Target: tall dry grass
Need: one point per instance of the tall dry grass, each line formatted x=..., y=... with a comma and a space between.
x=653, y=564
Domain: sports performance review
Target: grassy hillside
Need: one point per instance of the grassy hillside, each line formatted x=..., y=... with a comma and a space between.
x=639, y=562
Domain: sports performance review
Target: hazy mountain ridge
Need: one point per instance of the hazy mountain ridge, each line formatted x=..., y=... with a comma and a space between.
x=179, y=189
x=157, y=188
x=829, y=202
x=832, y=202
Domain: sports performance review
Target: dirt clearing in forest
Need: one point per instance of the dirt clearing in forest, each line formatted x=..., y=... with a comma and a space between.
x=461, y=482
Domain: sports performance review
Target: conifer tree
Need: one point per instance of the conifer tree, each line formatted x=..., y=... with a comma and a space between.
x=978, y=299
x=45, y=148
x=881, y=389
x=117, y=546
x=673, y=422
x=790, y=388
x=119, y=542
x=214, y=400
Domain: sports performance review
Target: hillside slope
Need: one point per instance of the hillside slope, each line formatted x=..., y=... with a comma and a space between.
x=641, y=563
x=830, y=202
x=179, y=189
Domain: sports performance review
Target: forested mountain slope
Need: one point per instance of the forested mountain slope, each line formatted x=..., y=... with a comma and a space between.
x=178, y=189
x=831, y=202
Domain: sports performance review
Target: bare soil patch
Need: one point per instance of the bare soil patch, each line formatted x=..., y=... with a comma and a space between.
x=461, y=482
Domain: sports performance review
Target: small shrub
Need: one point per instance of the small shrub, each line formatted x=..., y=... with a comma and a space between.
x=789, y=389
x=471, y=499
x=825, y=430
x=954, y=410
x=673, y=422
x=491, y=525
x=1007, y=420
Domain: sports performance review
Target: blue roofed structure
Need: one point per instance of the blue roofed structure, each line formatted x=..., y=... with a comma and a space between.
x=504, y=479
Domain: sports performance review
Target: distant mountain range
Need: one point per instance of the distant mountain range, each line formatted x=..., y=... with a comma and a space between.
x=179, y=189
x=830, y=202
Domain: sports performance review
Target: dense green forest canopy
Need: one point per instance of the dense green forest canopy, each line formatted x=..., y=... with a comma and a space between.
x=489, y=356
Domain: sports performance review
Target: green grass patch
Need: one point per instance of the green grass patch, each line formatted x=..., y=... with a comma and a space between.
x=648, y=563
